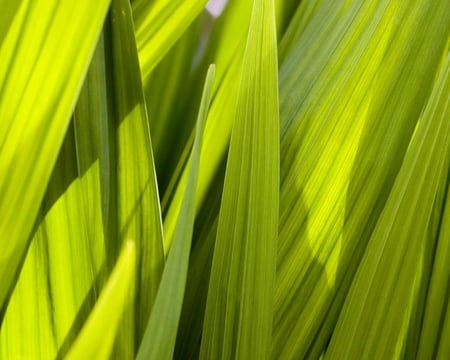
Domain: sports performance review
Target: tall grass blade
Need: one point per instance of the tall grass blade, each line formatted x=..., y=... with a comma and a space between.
x=45, y=55
x=95, y=341
x=159, y=24
x=160, y=335
x=351, y=92
x=136, y=194
x=371, y=325
x=238, y=318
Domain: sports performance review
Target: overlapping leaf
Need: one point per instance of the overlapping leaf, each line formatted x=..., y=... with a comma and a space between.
x=138, y=213
x=351, y=92
x=160, y=335
x=238, y=318
x=159, y=24
x=377, y=316
x=45, y=55
x=364, y=160
x=228, y=60
x=103, y=191
x=95, y=341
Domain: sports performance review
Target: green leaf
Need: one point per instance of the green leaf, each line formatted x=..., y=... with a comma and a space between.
x=63, y=277
x=226, y=48
x=159, y=24
x=45, y=55
x=160, y=335
x=351, y=91
x=238, y=319
x=71, y=210
x=437, y=293
x=300, y=21
x=444, y=345
x=95, y=341
x=231, y=34
x=173, y=91
x=137, y=199
x=377, y=314
x=103, y=191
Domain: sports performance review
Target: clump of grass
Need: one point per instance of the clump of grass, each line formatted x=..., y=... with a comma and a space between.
x=289, y=201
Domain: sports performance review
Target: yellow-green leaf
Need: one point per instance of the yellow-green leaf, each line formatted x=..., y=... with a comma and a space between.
x=375, y=321
x=134, y=189
x=351, y=91
x=238, y=318
x=95, y=341
x=160, y=335
x=45, y=55
x=159, y=24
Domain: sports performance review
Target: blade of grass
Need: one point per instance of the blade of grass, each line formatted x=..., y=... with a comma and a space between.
x=351, y=91
x=63, y=267
x=138, y=212
x=231, y=34
x=444, y=345
x=45, y=56
x=159, y=24
x=226, y=49
x=96, y=339
x=238, y=318
x=437, y=294
x=160, y=335
x=393, y=264
x=82, y=202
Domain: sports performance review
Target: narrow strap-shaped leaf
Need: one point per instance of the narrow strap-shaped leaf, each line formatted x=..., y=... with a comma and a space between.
x=67, y=280
x=160, y=335
x=106, y=155
x=134, y=193
x=444, y=345
x=227, y=47
x=238, y=319
x=376, y=317
x=300, y=20
x=45, y=55
x=438, y=292
x=71, y=270
x=228, y=59
x=95, y=340
x=351, y=91
x=159, y=24
x=172, y=92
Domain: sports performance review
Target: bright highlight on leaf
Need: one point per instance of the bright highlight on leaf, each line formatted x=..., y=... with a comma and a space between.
x=295, y=205
x=238, y=319
x=160, y=335
x=97, y=336
x=45, y=52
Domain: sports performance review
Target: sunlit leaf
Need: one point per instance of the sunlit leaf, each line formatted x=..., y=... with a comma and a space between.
x=432, y=332
x=137, y=200
x=159, y=24
x=160, y=335
x=238, y=318
x=95, y=340
x=351, y=92
x=393, y=265
x=97, y=198
x=45, y=55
